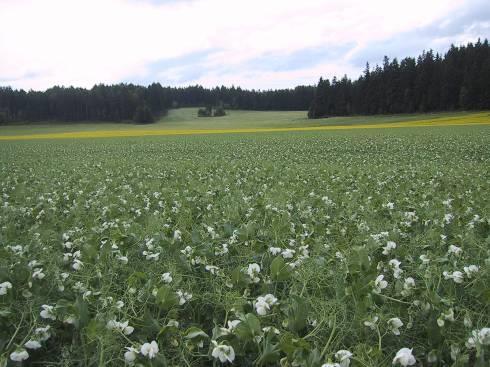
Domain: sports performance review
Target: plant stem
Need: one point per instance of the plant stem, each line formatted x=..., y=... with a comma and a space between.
x=15, y=333
x=330, y=337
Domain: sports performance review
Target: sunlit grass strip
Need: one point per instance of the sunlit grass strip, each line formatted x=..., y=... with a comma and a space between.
x=475, y=119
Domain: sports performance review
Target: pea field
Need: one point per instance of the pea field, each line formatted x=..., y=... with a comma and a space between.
x=366, y=247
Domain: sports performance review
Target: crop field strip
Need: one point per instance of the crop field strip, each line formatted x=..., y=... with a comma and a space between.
x=470, y=120
x=305, y=248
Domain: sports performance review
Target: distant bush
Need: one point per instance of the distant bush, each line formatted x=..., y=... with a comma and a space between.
x=143, y=115
x=205, y=112
x=210, y=111
x=219, y=111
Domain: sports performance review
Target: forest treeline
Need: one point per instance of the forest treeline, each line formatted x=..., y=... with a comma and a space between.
x=460, y=79
x=122, y=102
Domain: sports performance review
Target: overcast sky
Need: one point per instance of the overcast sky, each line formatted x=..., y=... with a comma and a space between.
x=252, y=43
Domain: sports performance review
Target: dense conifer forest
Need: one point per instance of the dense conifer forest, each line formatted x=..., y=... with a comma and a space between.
x=459, y=79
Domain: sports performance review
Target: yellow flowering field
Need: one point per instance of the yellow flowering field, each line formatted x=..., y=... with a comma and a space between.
x=482, y=118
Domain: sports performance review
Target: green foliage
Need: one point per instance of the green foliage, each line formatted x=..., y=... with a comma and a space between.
x=194, y=333
x=166, y=298
x=459, y=79
x=219, y=111
x=210, y=111
x=143, y=115
x=205, y=112
x=248, y=328
x=267, y=245
x=279, y=269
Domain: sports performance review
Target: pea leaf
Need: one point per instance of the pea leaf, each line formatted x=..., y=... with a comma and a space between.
x=280, y=271
x=195, y=333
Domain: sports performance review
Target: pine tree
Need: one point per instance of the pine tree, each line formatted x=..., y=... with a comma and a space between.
x=143, y=115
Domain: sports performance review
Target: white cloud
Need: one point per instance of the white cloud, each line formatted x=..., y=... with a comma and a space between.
x=64, y=42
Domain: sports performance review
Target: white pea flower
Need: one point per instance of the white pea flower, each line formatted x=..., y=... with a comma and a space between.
x=328, y=364
x=183, y=297
x=394, y=324
x=472, y=341
x=371, y=322
x=253, y=272
x=38, y=274
x=47, y=312
x=445, y=316
x=379, y=284
x=32, y=344
x=408, y=285
x=288, y=253
x=232, y=324
x=221, y=251
x=471, y=270
x=479, y=337
x=395, y=265
x=123, y=259
x=456, y=276
x=264, y=304
x=177, y=235
x=425, y=259
x=149, y=350
x=19, y=355
x=340, y=256
x=149, y=243
x=151, y=256
x=404, y=357
x=261, y=307
x=343, y=356
x=275, y=250
x=448, y=218
x=484, y=336
x=4, y=287
x=454, y=250
x=173, y=323
x=77, y=264
x=130, y=355
x=187, y=251
x=122, y=327
x=33, y=264
x=223, y=352
x=167, y=278
x=390, y=245
x=126, y=329
x=212, y=269
x=447, y=202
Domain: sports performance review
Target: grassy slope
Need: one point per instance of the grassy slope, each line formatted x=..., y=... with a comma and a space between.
x=186, y=119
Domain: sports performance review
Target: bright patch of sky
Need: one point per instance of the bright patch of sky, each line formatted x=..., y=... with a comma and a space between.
x=254, y=44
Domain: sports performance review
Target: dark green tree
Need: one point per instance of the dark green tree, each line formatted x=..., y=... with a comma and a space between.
x=143, y=115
